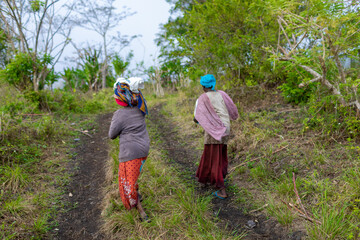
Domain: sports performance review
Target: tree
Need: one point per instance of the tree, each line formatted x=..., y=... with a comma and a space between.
x=75, y=79
x=319, y=39
x=101, y=17
x=154, y=74
x=19, y=71
x=92, y=67
x=4, y=58
x=223, y=37
x=173, y=55
x=30, y=28
x=120, y=64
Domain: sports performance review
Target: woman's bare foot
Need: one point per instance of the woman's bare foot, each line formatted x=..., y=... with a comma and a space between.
x=143, y=216
x=222, y=193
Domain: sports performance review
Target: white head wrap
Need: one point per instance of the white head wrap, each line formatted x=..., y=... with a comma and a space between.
x=135, y=83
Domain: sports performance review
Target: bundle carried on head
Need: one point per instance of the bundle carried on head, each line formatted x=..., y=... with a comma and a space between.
x=127, y=93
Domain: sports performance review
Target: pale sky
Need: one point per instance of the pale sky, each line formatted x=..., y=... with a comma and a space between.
x=149, y=15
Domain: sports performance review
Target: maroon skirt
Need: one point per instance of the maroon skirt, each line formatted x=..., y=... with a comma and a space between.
x=213, y=165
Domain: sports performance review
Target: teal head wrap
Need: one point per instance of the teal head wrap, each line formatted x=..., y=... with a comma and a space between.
x=208, y=81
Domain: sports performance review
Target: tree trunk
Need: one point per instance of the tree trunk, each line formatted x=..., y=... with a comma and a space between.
x=105, y=65
x=35, y=82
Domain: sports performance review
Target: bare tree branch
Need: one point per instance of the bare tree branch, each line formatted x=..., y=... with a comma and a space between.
x=280, y=19
x=34, y=27
x=101, y=18
x=15, y=17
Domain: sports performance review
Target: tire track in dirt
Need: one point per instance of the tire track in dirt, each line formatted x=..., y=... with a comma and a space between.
x=232, y=217
x=82, y=220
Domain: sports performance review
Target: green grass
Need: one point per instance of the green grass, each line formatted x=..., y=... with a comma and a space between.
x=16, y=207
x=335, y=223
x=280, y=211
x=41, y=226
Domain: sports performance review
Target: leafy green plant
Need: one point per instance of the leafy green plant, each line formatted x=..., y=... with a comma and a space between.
x=92, y=67
x=93, y=106
x=121, y=64
x=19, y=72
x=291, y=91
x=326, y=52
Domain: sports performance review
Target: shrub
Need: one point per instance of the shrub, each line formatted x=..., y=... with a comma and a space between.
x=291, y=91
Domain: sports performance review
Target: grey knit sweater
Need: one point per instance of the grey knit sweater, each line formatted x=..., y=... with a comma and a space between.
x=129, y=124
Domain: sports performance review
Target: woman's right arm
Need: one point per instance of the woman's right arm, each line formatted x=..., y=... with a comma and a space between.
x=115, y=126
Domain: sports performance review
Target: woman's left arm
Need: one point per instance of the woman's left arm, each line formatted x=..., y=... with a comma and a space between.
x=115, y=126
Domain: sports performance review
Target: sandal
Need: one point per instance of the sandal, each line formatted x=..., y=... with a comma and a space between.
x=216, y=195
x=140, y=197
x=145, y=219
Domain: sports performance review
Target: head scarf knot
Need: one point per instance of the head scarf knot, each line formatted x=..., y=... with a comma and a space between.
x=208, y=81
x=133, y=99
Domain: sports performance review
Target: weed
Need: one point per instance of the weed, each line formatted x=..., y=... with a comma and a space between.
x=14, y=178
x=335, y=224
x=352, y=177
x=313, y=186
x=280, y=211
x=260, y=172
x=16, y=207
x=5, y=234
x=284, y=186
x=242, y=196
x=40, y=226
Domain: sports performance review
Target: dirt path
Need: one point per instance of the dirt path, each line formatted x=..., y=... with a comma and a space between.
x=83, y=218
x=231, y=215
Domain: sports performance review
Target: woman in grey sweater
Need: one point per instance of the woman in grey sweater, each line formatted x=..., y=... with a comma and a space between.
x=128, y=123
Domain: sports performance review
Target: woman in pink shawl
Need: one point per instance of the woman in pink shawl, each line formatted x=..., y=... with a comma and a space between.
x=213, y=111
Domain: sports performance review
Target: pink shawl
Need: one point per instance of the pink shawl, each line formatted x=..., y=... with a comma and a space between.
x=209, y=120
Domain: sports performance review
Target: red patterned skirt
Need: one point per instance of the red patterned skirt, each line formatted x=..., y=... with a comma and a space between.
x=213, y=165
x=128, y=175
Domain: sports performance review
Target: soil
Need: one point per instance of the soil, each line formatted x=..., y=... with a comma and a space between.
x=84, y=193
x=82, y=220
